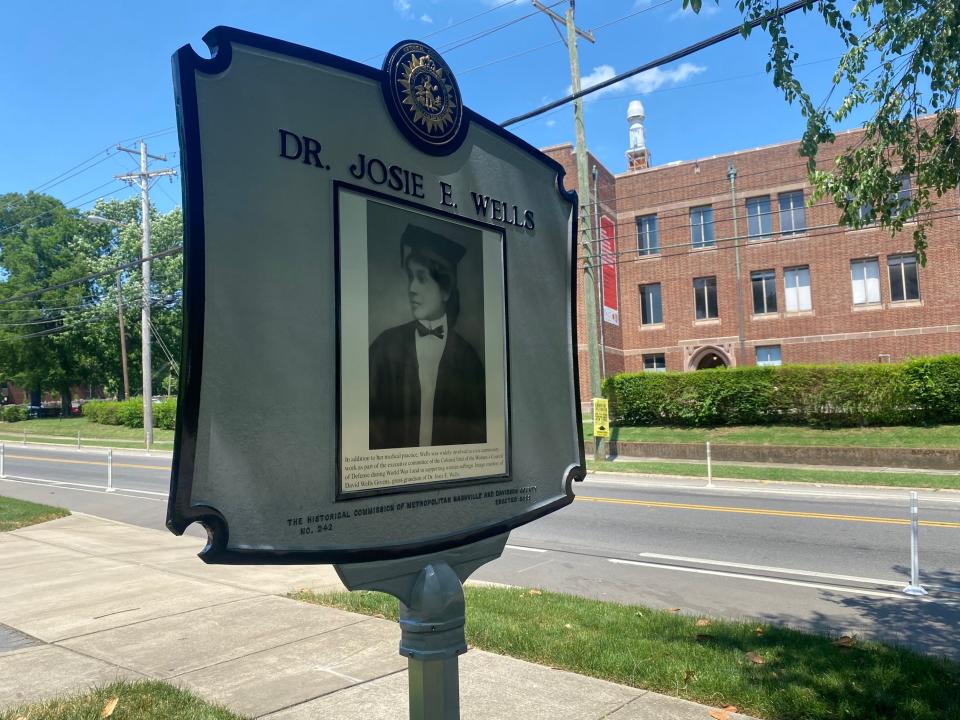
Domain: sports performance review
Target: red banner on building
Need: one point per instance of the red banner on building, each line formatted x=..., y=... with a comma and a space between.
x=608, y=270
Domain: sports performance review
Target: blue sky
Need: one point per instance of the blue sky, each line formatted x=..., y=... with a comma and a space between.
x=79, y=77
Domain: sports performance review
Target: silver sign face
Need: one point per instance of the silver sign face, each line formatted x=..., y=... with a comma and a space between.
x=380, y=351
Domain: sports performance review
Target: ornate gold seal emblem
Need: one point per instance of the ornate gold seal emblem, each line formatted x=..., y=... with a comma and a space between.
x=423, y=97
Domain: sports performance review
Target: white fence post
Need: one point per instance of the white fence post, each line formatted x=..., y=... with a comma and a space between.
x=109, y=469
x=709, y=466
x=78, y=439
x=3, y=474
x=914, y=588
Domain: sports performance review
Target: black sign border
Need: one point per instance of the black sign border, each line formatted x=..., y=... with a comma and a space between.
x=180, y=512
x=341, y=496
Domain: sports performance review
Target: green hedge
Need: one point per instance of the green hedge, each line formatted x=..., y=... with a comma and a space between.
x=921, y=391
x=130, y=412
x=14, y=413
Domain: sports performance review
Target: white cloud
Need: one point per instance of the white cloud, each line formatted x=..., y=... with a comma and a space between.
x=402, y=7
x=641, y=84
x=706, y=10
x=551, y=123
x=427, y=19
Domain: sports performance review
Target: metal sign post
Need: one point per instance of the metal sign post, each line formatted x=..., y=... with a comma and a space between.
x=432, y=618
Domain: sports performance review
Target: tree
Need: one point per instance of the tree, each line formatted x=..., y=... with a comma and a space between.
x=901, y=62
x=166, y=291
x=43, y=343
x=67, y=336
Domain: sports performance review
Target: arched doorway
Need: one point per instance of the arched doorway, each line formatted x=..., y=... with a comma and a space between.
x=708, y=358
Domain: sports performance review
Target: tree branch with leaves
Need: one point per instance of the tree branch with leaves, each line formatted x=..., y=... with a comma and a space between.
x=901, y=62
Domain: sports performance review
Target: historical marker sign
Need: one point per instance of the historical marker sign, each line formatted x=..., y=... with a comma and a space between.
x=380, y=351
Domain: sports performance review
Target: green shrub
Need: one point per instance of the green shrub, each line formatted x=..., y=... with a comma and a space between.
x=165, y=414
x=14, y=413
x=934, y=384
x=915, y=392
x=105, y=412
x=130, y=412
x=91, y=410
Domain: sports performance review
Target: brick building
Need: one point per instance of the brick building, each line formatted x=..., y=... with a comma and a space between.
x=809, y=291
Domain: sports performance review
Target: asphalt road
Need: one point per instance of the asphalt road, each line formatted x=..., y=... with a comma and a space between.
x=821, y=558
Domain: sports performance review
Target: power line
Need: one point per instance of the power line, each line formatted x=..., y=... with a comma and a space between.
x=455, y=44
x=718, y=217
x=682, y=53
x=510, y=57
x=64, y=177
x=687, y=86
x=93, y=304
x=64, y=207
x=49, y=183
x=558, y=42
x=630, y=15
x=632, y=223
x=466, y=20
x=724, y=244
x=724, y=191
x=165, y=349
x=92, y=276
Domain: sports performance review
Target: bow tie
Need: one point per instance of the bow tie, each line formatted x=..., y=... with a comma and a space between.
x=423, y=330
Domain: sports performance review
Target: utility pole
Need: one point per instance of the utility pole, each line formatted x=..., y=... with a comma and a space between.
x=143, y=177
x=590, y=266
x=123, y=341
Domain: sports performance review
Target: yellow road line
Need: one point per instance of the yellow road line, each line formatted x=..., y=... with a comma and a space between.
x=86, y=462
x=764, y=511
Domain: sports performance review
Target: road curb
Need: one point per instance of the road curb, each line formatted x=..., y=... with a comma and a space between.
x=792, y=483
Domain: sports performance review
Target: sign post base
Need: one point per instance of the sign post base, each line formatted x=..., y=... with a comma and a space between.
x=432, y=617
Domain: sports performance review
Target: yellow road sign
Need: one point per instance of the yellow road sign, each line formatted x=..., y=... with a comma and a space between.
x=601, y=418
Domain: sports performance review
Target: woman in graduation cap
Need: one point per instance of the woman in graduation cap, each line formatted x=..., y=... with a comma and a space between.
x=427, y=384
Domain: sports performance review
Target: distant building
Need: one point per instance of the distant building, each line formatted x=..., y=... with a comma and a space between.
x=720, y=262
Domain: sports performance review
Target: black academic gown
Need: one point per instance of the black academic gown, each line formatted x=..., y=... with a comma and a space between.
x=459, y=404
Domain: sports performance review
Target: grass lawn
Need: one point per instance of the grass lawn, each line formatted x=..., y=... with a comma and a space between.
x=764, y=671
x=135, y=701
x=783, y=474
x=935, y=436
x=91, y=433
x=19, y=513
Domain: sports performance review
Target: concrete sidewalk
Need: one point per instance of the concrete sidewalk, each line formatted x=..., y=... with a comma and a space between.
x=86, y=601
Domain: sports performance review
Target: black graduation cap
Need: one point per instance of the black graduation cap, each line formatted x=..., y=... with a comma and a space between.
x=420, y=242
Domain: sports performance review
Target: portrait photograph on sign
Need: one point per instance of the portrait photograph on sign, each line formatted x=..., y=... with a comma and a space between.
x=423, y=388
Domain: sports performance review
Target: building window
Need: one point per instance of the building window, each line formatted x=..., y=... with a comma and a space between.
x=904, y=196
x=651, y=310
x=654, y=363
x=865, y=277
x=904, y=284
x=796, y=289
x=701, y=226
x=768, y=355
x=793, y=218
x=758, y=217
x=764, y=284
x=900, y=200
x=648, y=237
x=705, y=297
